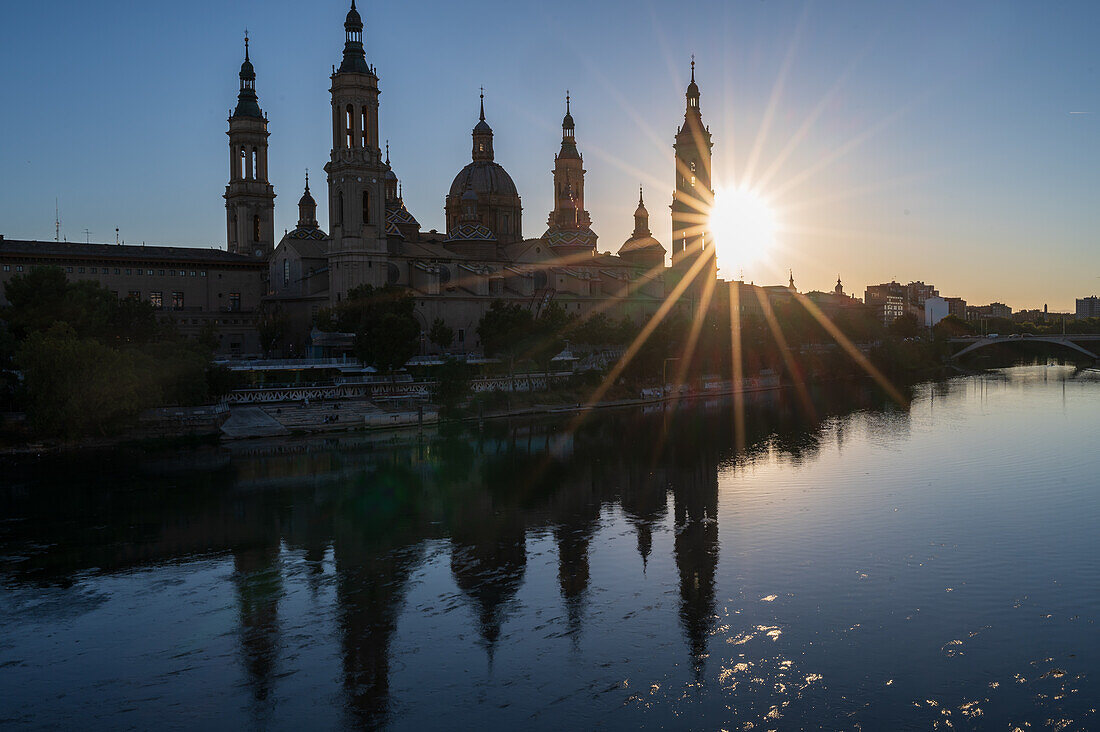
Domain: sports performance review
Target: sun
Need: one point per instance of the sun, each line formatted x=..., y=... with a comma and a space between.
x=743, y=225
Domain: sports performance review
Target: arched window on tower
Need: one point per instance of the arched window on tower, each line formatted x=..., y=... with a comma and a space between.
x=244, y=156
x=366, y=207
x=349, y=125
x=363, y=126
x=255, y=163
x=340, y=208
x=255, y=228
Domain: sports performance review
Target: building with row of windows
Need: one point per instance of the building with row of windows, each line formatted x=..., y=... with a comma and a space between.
x=1088, y=307
x=192, y=288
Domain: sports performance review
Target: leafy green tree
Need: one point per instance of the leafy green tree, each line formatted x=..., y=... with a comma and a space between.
x=383, y=320
x=453, y=383
x=905, y=326
x=79, y=386
x=951, y=327
x=441, y=334
x=505, y=330
x=272, y=326
x=7, y=346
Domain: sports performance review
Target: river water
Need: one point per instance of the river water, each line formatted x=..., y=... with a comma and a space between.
x=855, y=565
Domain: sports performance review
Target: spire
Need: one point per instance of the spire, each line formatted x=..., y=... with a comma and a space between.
x=307, y=208
x=247, y=103
x=641, y=218
x=567, y=120
x=387, y=152
x=483, y=135
x=693, y=90
x=790, y=284
x=355, y=59
x=568, y=134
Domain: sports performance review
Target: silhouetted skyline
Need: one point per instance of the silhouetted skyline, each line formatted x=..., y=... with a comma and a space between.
x=957, y=145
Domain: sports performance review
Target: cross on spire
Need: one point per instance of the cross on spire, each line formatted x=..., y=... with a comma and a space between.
x=693, y=67
x=567, y=101
x=482, y=103
x=307, y=180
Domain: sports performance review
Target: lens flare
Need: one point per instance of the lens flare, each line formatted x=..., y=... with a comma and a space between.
x=744, y=227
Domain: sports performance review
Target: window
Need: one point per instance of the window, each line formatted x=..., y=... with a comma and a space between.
x=349, y=125
x=202, y=274
x=96, y=269
x=80, y=270
x=192, y=273
x=255, y=228
x=363, y=126
x=149, y=272
x=340, y=208
x=7, y=268
x=156, y=299
x=161, y=273
x=18, y=268
x=135, y=294
x=129, y=272
x=69, y=270
x=366, y=207
x=234, y=301
x=177, y=300
x=286, y=273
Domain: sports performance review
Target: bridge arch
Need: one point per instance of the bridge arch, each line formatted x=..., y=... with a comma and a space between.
x=1035, y=339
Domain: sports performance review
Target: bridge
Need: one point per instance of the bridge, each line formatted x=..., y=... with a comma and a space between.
x=1067, y=340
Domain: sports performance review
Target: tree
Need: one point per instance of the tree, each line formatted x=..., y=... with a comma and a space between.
x=441, y=335
x=44, y=296
x=453, y=382
x=79, y=386
x=272, y=327
x=504, y=331
x=905, y=326
x=951, y=327
x=383, y=321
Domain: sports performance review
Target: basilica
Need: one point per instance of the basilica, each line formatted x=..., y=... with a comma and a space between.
x=373, y=239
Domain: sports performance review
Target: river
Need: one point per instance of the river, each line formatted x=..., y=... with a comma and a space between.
x=855, y=563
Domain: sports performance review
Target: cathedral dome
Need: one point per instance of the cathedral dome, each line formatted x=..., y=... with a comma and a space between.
x=483, y=176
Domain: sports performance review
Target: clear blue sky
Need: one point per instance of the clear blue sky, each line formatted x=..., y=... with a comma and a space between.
x=957, y=143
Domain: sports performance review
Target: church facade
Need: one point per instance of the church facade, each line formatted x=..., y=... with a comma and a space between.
x=373, y=239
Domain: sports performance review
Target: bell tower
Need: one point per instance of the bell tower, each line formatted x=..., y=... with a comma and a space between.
x=356, y=171
x=694, y=196
x=249, y=197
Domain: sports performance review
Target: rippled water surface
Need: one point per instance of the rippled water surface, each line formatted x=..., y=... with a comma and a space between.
x=853, y=565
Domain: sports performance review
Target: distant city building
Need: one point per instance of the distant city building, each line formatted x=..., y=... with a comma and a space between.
x=993, y=310
x=192, y=288
x=935, y=310
x=918, y=292
x=1088, y=307
x=888, y=300
x=956, y=306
